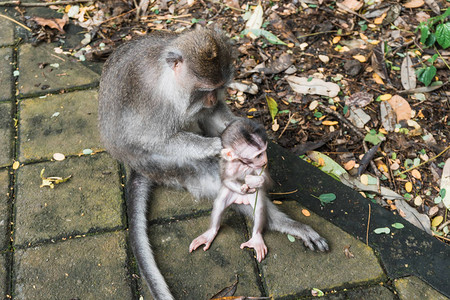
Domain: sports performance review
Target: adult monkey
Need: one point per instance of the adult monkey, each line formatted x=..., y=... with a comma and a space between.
x=153, y=92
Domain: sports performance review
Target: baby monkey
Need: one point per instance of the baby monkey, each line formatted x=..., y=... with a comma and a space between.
x=244, y=179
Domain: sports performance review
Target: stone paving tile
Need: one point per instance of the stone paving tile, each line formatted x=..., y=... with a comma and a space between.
x=169, y=203
x=290, y=268
x=208, y=272
x=93, y=267
x=6, y=75
x=7, y=32
x=412, y=288
x=6, y=134
x=65, y=123
x=4, y=209
x=34, y=79
x=3, y=274
x=91, y=199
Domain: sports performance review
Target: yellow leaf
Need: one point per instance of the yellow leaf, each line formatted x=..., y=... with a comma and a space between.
x=380, y=19
x=252, y=109
x=336, y=39
x=385, y=97
x=416, y=174
x=360, y=58
x=16, y=165
x=330, y=123
x=321, y=162
x=363, y=36
x=436, y=221
x=377, y=78
x=383, y=131
x=374, y=42
x=349, y=165
x=408, y=187
x=306, y=212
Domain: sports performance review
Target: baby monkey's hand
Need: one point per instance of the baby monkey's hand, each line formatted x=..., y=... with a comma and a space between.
x=246, y=189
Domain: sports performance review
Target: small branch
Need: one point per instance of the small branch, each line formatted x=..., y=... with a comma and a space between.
x=345, y=8
x=368, y=223
x=287, y=124
x=121, y=15
x=343, y=119
x=35, y=4
x=12, y=20
x=425, y=162
x=285, y=193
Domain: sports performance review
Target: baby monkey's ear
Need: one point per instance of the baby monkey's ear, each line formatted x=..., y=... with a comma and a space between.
x=228, y=154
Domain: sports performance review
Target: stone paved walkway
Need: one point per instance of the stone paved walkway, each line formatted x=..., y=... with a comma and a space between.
x=71, y=242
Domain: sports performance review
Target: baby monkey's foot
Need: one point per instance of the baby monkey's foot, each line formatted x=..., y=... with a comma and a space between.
x=204, y=239
x=257, y=243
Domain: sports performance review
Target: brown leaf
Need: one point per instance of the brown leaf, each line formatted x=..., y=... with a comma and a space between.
x=359, y=99
x=279, y=24
x=353, y=4
x=52, y=23
x=401, y=108
x=414, y=4
x=348, y=253
x=434, y=6
x=227, y=291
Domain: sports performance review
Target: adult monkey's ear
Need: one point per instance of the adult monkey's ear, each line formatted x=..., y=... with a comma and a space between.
x=228, y=154
x=174, y=59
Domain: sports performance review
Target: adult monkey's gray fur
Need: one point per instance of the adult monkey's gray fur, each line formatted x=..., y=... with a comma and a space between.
x=153, y=92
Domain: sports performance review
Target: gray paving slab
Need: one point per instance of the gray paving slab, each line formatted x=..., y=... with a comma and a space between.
x=90, y=200
x=3, y=274
x=6, y=134
x=93, y=267
x=6, y=72
x=412, y=288
x=200, y=274
x=65, y=123
x=4, y=209
x=7, y=32
x=42, y=70
x=170, y=203
x=291, y=269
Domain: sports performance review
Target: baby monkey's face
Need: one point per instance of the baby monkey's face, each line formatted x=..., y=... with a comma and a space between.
x=251, y=155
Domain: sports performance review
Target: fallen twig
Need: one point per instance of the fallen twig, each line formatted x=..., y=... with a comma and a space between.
x=425, y=162
x=36, y=4
x=285, y=193
x=12, y=20
x=368, y=223
x=287, y=124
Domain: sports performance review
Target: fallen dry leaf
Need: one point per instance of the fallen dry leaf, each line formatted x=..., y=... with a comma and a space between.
x=377, y=78
x=353, y=4
x=306, y=212
x=414, y=4
x=408, y=187
x=401, y=108
x=416, y=174
x=348, y=253
x=51, y=22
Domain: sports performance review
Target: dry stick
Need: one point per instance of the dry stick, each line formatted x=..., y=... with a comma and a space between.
x=287, y=124
x=121, y=15
x=12, y=20
x=368, y=223
x=425, y=162
x=356, y=130
x=285, y=193
x=34, y=4
x=345, y=8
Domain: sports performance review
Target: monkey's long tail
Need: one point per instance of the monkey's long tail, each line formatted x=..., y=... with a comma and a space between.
x=138, y=191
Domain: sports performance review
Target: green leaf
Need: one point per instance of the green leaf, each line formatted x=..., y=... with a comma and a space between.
x=272, y=38
x=273, y=107
x=374, y=137
x=443, y=35
x=426, y=75
x=381, y=230
x=327, y=198
x=442, y=193
x=291, y=238
x=424, y=33
x=318, y=114
x=398, y=225
x=431, y=39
